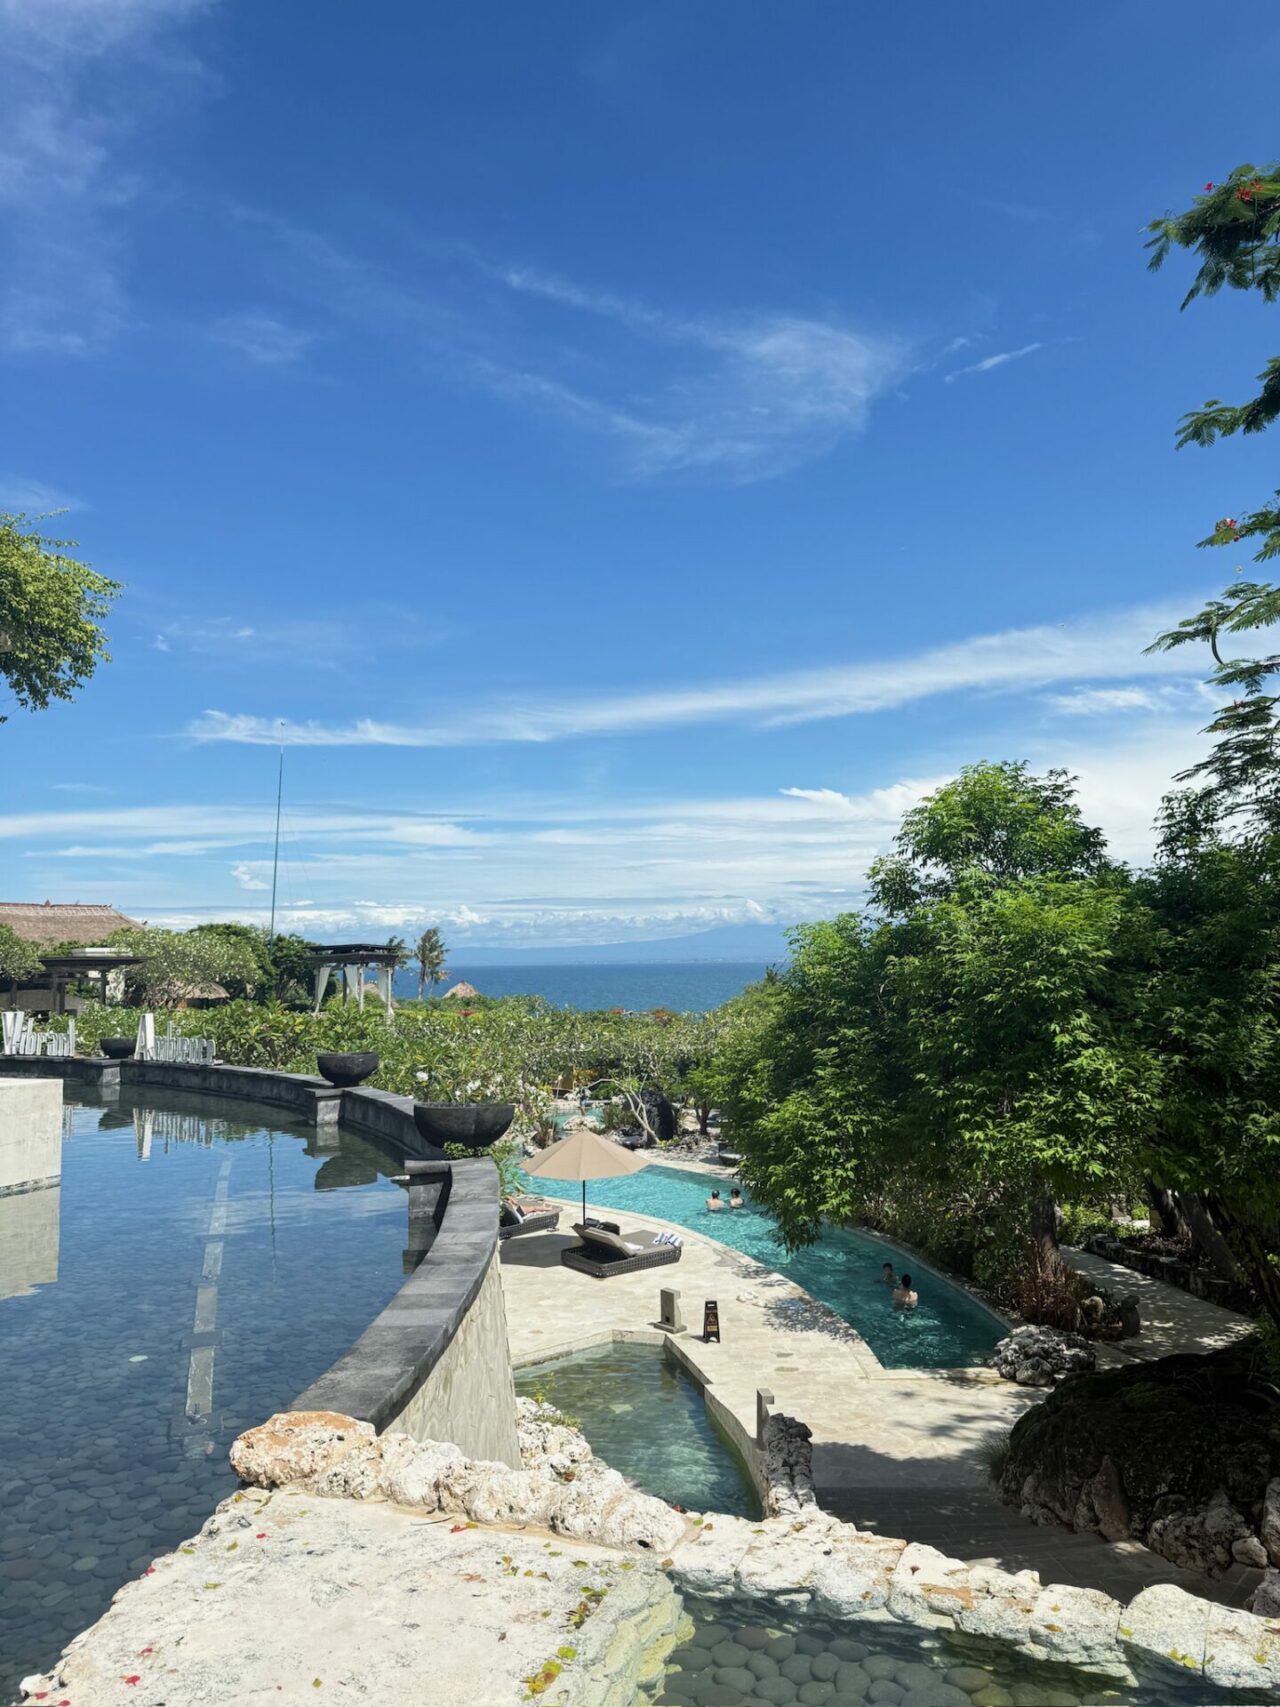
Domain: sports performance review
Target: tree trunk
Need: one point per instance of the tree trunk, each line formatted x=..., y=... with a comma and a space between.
x=704, y=1119
x=1255, y=1241
x=1044, y=1231
x=1164, y=1206
x=1206, y=1237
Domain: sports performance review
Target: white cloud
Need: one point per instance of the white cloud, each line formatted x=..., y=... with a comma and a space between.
x=246, y=876
x=33, y=497
x=1101, y=702
x=1090, y=648
x=77, y=79
x=998, y=360
x=262, y=338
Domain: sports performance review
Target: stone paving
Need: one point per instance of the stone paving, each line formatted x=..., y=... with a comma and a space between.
x=1172, y=1320
x=899, y=1451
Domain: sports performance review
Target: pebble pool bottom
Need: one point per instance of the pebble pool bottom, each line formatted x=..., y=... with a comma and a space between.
x=756, y=1653
x=191, y=1275
x=947, y=1330
x=645, y=1417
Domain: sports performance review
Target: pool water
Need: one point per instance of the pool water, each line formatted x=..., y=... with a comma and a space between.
x=759, y=1653
x=190, y=1275
x=645, y=1417
x=947, y=1330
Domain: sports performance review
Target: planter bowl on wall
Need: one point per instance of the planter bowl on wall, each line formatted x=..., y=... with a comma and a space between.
x=347, y=1069
x=116, y=1048
x=475, y=1124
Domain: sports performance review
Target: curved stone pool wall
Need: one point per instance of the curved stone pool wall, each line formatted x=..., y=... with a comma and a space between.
x=435, y=1363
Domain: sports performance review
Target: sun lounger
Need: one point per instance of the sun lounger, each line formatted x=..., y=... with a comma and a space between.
x=533, y=1221
x=602, y=1254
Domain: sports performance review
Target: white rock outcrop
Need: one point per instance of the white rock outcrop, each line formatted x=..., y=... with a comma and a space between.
x=1037, y=1357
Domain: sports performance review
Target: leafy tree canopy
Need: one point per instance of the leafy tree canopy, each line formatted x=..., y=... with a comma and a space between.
x=18, y=957
x=51, y=611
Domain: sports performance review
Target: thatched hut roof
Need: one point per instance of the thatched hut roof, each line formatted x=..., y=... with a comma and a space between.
x=56, y=921
x=463, y=992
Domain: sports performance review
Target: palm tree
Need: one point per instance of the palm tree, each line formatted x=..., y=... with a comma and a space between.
x=429, y=952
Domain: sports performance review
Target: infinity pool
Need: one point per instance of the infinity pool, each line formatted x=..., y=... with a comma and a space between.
x=948, y=1330
x=191, y=1275
x=645, y=1416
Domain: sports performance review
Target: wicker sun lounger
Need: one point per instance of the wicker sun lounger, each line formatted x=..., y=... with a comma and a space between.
x=603, y=1254
x=535, y=1221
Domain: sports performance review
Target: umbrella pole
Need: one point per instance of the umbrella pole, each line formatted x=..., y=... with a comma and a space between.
x=584, y=1200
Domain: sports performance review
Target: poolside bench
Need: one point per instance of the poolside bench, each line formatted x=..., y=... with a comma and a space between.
x=537, y=1221
x=602, y=1254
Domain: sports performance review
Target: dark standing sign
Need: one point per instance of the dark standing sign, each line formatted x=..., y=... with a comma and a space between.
x=711, y=1321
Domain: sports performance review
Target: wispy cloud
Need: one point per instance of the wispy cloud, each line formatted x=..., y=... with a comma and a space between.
x=64, y=180
x=33, y=497
x=1106, y=702
x=998, y=360
x=1090, y=649
x=262, y=338
x=247, y=876
x=287, y=641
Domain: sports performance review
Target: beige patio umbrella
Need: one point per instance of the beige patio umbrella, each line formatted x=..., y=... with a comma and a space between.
x=585, y=1154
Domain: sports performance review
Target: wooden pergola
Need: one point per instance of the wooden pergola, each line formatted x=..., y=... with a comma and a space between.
x=46, y=992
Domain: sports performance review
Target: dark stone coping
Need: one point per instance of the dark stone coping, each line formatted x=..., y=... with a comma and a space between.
x=377, y=1378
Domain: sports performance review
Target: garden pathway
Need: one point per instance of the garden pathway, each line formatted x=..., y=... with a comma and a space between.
x=1172, y=1320
x=899, y=1451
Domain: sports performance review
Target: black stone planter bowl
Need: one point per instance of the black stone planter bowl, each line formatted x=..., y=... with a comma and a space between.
x=349, y=1069
x=475, y=1124
x=116, y=1048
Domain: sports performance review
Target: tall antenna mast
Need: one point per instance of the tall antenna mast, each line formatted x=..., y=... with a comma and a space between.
x=275, y=858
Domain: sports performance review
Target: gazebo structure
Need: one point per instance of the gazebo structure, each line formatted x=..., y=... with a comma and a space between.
x=349, y=960
x=46, y=991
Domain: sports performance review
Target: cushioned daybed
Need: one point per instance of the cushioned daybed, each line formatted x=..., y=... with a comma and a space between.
x=603, y=1254
x=540, y=1220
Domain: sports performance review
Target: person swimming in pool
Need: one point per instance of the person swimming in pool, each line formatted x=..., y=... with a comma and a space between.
x=713, y=1202
x=887, y=1276
x=735, y=1199
x=904, y=1297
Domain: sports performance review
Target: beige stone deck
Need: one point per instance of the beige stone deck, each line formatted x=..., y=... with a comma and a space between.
x=900, y=1451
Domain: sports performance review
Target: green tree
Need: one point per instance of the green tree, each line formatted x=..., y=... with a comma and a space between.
x=429, y=952
x=174, y=963
x=1234, y=229
x=18, y=957
x=51, y=611
x=975, y=1028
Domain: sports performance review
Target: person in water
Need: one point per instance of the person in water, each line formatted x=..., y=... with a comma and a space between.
x=713, y=1202
x=887, y=1276
x=735, y=1199
x=904, y=1298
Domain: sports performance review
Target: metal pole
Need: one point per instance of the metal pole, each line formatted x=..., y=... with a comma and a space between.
x=275, y=858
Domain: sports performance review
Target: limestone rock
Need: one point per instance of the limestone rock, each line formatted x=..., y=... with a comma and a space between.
x=417, y=1476
x=1003, y=1603
x=294, y=1445
x=928, y=1588
x=1201, y=1538
x=1166, y=1623
x=706, y=1561
x=1241, y=1651
x=1266, y=1597
x=1077, y=1626
x=1269, y=1528
x=1036, y=1357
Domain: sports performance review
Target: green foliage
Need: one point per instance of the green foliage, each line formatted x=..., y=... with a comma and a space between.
x=429, y=953
x=18, y=957
x=177, y=964
x=51, y=611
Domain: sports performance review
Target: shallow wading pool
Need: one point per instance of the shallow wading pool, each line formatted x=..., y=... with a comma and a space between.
x=192, y=1274
x=758, y=1653
x=948, y=1330
x=646, y=1417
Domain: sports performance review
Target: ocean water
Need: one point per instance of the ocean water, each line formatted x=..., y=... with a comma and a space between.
x=685, y=986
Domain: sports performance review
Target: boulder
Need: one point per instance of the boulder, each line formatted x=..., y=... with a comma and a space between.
x=295, y=1445
x=1176, y=1453
x=1266, y=1597
x=1036, y=1357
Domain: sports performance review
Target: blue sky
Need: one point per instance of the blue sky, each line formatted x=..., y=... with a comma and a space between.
x=628, y=452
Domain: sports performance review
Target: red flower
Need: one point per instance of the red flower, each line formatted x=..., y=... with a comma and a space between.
x=134, y=1679
x=1245, y=195
x=143, y=1652
x=1208, y=187
x=457, y=1529
x=150, y=1571
x=261, y=1535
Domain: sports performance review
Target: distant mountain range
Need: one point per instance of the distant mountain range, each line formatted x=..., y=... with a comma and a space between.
x=764, y=944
